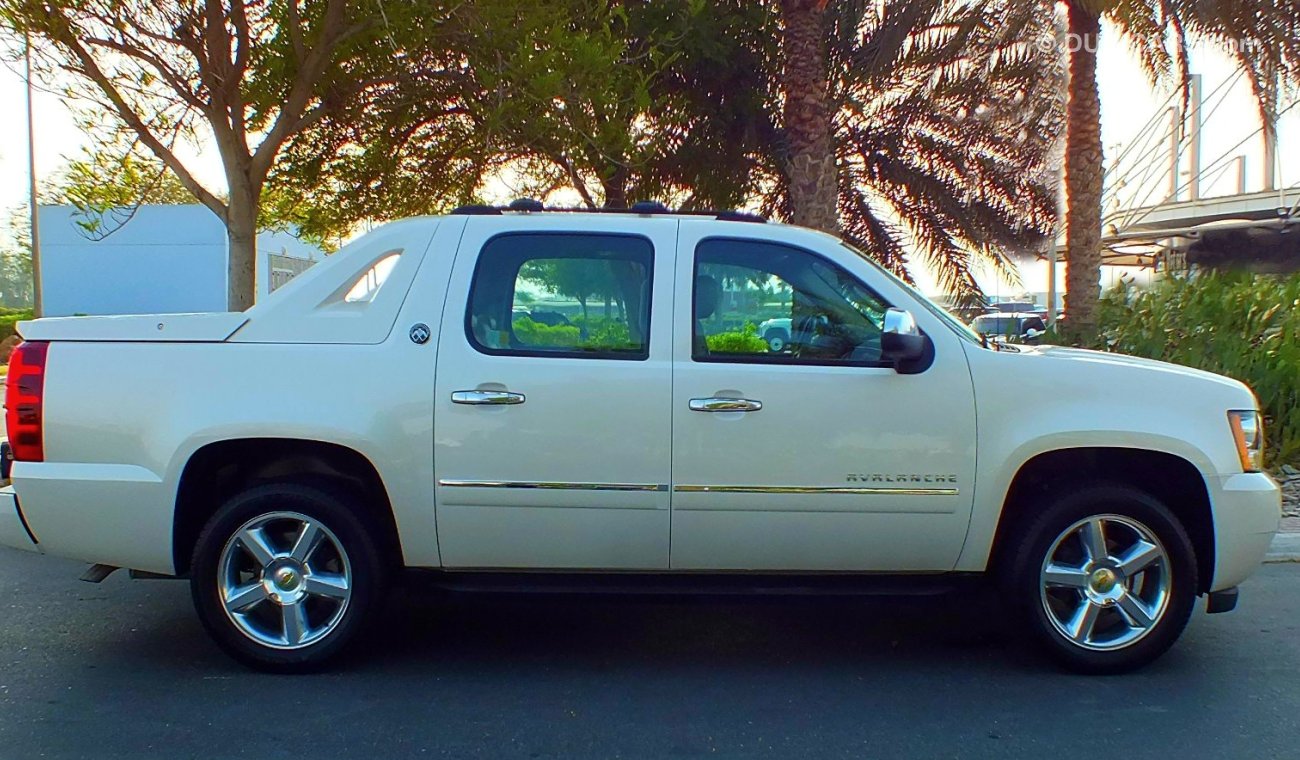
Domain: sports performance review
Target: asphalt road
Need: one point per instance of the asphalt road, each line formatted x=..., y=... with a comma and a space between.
x=123, y=670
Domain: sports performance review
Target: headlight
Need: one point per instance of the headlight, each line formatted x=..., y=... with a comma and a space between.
x=1248, y=430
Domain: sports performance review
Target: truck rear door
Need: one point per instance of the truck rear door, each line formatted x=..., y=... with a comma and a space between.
x=553, y=395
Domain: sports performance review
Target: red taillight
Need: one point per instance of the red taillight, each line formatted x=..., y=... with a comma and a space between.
x=24, y=395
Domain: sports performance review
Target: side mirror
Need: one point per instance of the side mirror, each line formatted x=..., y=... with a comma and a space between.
x=902, y=343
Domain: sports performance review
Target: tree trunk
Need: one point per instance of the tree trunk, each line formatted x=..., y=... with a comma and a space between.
x=1083, y=177
x=615, y=187
x=241, y=240
x=811, y=172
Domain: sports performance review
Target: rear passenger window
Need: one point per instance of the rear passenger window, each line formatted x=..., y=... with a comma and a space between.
x=368, y=284
x=562, y=295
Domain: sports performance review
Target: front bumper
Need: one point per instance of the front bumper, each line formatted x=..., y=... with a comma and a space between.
x=13, y=530
x=1247, y=511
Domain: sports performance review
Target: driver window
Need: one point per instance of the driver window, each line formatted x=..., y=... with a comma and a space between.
x=771, y=303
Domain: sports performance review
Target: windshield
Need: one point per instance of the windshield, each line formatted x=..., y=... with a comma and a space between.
x=956, y=324
x=996, y=325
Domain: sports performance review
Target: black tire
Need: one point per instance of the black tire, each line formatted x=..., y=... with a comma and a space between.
x=776, y=340
x=350, y=544
x=1038, y=608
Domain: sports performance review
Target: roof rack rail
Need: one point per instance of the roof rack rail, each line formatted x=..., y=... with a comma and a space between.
x=740, y=216
x=531, y=205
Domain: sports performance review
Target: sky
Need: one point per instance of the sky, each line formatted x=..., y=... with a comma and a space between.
x=1128, y=103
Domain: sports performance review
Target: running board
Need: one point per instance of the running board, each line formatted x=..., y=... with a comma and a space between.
x=694, y=584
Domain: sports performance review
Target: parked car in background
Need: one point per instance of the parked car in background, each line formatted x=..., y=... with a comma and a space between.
x=776, y=332
x=1012, y=328
x=1010, y=307
x=660, y=450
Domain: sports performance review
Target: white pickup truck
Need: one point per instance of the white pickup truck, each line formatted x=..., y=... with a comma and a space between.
x=529, y=399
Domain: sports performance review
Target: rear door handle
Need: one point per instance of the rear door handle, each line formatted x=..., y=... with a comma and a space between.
x=725, y=405
x=487, y=398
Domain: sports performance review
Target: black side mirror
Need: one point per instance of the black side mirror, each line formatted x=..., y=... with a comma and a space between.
x=903, y=343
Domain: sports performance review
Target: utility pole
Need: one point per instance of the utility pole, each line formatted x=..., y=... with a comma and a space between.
x=1270, y=157
x=31, y=187
x=1270, y=139
x=1197, y=119
x=1175, y=151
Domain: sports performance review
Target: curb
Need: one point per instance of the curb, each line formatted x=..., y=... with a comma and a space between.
x=1285, y=548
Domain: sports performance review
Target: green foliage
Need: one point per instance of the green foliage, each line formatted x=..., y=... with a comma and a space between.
x=607, y=335
x=947, y=119
x=1240, y=325
x=531, y=333
x=1262, y=38
x=108, y=184
x=744, y=341
x=608, y=102
x=583, y=335
x=9, y=318
x=251, y=78
x=16, y=261
x=579, y=279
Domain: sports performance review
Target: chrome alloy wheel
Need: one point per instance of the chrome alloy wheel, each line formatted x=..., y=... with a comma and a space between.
x=1106, y=582
x=284, y=580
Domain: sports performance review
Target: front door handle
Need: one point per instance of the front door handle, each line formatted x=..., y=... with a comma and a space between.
x=487, y=398
x=725, y=405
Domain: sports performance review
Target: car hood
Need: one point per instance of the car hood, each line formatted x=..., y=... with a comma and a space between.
x=1123, y=362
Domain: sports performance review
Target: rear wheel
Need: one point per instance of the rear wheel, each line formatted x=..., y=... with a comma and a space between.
x=285, y=576
x=1105, y=578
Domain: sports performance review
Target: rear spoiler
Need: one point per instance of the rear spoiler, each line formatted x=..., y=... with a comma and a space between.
x=150, y=328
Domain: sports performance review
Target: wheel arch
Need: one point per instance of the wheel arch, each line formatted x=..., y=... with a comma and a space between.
x=219, y=469
x=1172, y=479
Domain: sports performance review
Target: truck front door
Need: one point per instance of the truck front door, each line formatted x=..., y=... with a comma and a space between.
x=810, y=454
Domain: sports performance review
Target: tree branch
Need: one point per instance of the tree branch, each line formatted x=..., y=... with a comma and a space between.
x=287, y=122
x=578, y=184
x=92, y=70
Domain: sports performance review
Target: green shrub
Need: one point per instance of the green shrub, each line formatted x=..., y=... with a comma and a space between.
x=746, y=341
x=1240, y=325
x=9, y=318
x=608, y=335
x=532, y=333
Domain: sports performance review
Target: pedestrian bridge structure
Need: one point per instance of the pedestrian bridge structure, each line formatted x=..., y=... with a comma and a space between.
x=1158, y=213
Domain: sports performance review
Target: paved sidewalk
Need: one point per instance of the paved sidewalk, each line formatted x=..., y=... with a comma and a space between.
x=1286, y=544
x=1285, y=548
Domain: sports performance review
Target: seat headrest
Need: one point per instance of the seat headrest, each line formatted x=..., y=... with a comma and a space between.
x=707, y=295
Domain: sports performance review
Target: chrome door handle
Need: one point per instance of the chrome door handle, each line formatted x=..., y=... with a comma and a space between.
x=725, y=405
x=487, y=398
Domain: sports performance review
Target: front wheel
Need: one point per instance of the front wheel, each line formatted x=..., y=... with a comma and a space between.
x=1105, y=579
x=285, y=576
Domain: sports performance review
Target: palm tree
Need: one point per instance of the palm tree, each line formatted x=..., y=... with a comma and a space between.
x=807, y=115
x=921, y=128
x=1264, y=37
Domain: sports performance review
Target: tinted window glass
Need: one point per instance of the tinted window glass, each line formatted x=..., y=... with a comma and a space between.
x=562, y=295
x=768, y=302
